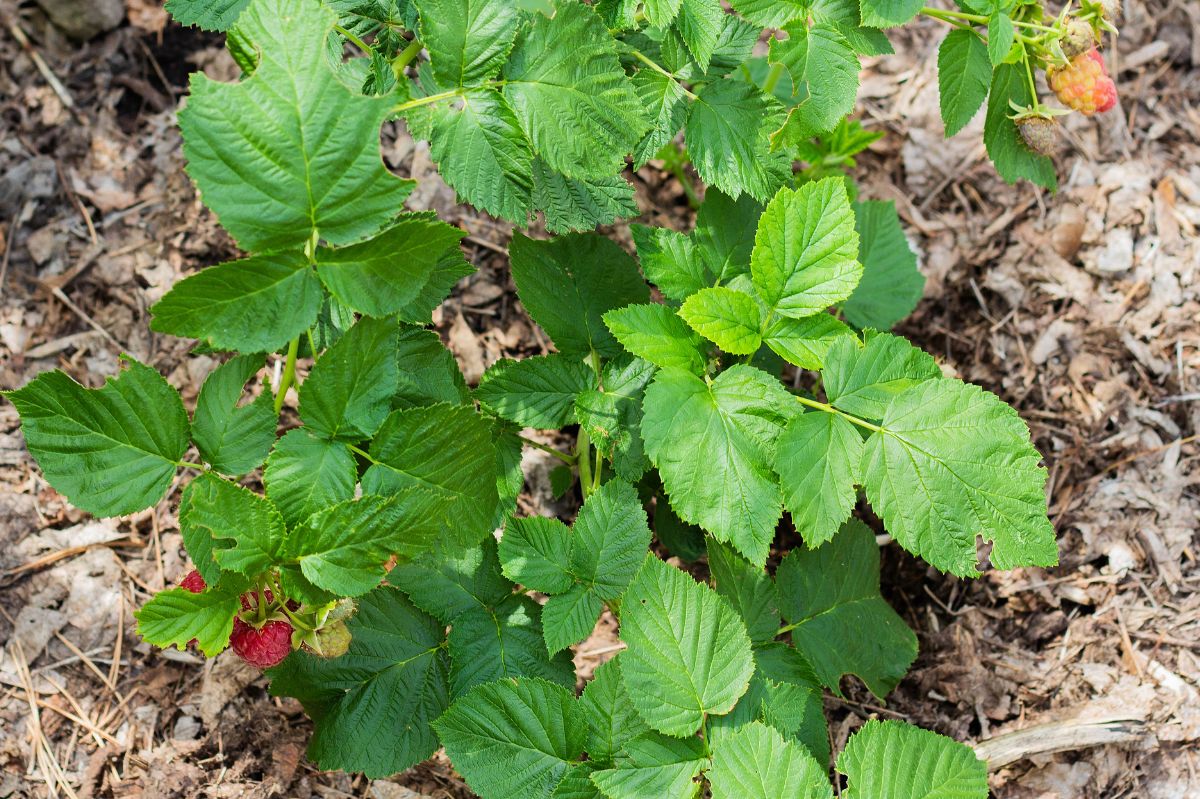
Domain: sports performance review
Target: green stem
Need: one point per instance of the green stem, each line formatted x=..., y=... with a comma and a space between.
x=189, y=465
x=654, y=65
x=296, y=622
x=773, y=78
x=289, y=374
x=1033, y=94
x=822, y=406
x=583, y=455
x=428, y=100
x=312, y=344
x=359, y=43
x=565, y=457
x=366, y=455
x=406, y=56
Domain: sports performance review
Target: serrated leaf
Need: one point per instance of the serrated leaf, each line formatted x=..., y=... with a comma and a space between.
x=468, y=40
x=176, y=616
x=952, y=463
x=748, y=590
x=233, y=439
x=889, y=13
x=535, y=551
x=305, y=474
x=348, y=392
x=246, y=530
x=726, y=137
x=805, y=342
x=611, y=719
x=662, y=13
x=830, y=596
x=112, y=450
x=1001, y=35
x=671, y=261
x=373, y=706
x=449, y=586
x=756, y=762
x=700, y=23
x=891, y=284
x=770, y=13
x=724, y=234
x=731, y=319
x=654, y=765
x=900, y=761
x=569, y=282
x=845, y=16
x=805, y=250
x=209, y=15
x=681, y=539
x=963, y=76
x=612, y=417
x=1006, y=148
x=577, y=783
x=663, y=98
x=428, y=372
x=822, y=61
x=535, y=392
x=575, y=204
x=514, y=737
x=819, y=465
x=307, y=160
x=380, y=276
x=656, y=334
x=570, y=617
x=568, y=89
x=447, y=449
x=510, y=479
x=688, y=653
x=257, y=304
x=610, y=539
x=784, y=694
x=505, y=641
x=864, y=379
x=449, y=271
x=713, y=446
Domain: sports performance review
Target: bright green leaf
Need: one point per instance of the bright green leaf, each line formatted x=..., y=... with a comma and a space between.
x=305, y=474
x=731, y=319
x=900, y=761
x=805, y=342
x=818, y=464
x=656, y=334
x=963, y=77
x=505, y=641
x=468, y=40
x=653, y=765
x=727, y=139
x=756, y=762
x=820, y=59
x=612, y=720
x=535, y=392
x=535, y=551
x=348, y=392
x=234, y=439
x=1006, y=148
x=864, y=379
x=246, y=530
x=177, y=616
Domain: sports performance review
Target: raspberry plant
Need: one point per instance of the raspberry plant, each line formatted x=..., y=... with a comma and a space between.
x=352, y=554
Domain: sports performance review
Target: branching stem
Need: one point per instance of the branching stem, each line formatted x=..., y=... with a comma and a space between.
x=359, y=43
x=406, y=56
x=654, y=65
x=565, y=457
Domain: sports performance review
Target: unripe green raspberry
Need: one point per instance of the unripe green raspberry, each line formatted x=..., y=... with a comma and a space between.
x=1079, y=37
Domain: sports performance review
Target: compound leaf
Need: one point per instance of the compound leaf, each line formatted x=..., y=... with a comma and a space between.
x=535, y=551
x=570, y=617
x=900, y=761
x=731, y=319
x=305, y=474
x=821, y=61
x=349, y=391
x=805, y=342
x=726, y=136
x=246, y=531
x=612, y=720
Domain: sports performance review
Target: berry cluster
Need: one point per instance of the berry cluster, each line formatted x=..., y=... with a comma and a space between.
x=263, y=644
x=1084, y=84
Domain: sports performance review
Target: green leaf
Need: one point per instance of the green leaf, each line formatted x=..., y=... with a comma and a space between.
x=713, y=446
x=700, y=24
x=111, y=450
x=805, y=249
x=535, y=551
x=450, y=270
x=770, y=13
x=821, y=60
x=257, y=304
x=891, y=284
x=569, y=282
x=514, y=738
x=612, y=417
x=952, y=463
x=671, y=261
x=612, y=720
x=177, y=616
x=575, y=204
x=503, y=642
x=535, y=392
x=468, y=40
x=510, y=479
x=681, y=539
x=373, y=278
x=373, y=706
x=889, y=13
x=830, y=597
x=305, y=474
x=481, y=151
x=785, y=694
x=819, y=465
x=610, y=540
x=447, y=449
x=577, y=782
x=654, y=765
x=756, y=762
x=724, y=234
x=661, y=13
x=726, y=137
x=688, y=653
x=864, y=380
x=569, y=618
x=1006, y=148
x=348, y=392
x=1001, y=36
x=209, y=15
x=307, y=161
x=900, y=761
x=234, y=439
x=963, y=76
x=805, y=342
x=748, y=590
x=731, y=319
x=663, y=98
x=656, y=334
x=845, y=16
x=428, y=372
x=568, y=89
x=246, y=531
x=448, y=587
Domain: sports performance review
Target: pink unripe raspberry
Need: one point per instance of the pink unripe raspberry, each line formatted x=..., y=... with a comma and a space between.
x=1084, y=84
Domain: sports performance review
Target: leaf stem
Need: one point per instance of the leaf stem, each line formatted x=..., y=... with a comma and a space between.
x=189, y=465
x=565, y=457
x=366, y=455
x=654, y=65
x=406, y=56
x=289, y=374
x=427, y=100
x=773, y=78
x=823, y=406
x=583, y=453
x=359, y=43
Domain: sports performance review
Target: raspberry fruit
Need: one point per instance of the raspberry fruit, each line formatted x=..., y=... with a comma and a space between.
x=1079, y=37
x=1040, y=134
x=1084, y=84
x=262, y=647
x=193, y=582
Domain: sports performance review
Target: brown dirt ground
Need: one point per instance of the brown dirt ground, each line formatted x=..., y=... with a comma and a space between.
x=1081, y=308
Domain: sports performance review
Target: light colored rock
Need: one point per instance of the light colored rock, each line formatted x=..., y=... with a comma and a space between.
x=83, y=19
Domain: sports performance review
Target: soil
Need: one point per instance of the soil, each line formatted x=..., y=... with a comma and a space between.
x=1081, y=307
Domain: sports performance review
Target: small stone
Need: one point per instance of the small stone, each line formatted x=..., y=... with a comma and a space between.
x=83, y=19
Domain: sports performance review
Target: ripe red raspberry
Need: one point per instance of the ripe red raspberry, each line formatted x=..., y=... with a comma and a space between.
x=192, y=581
x=265, y=647
x=1084, y=84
